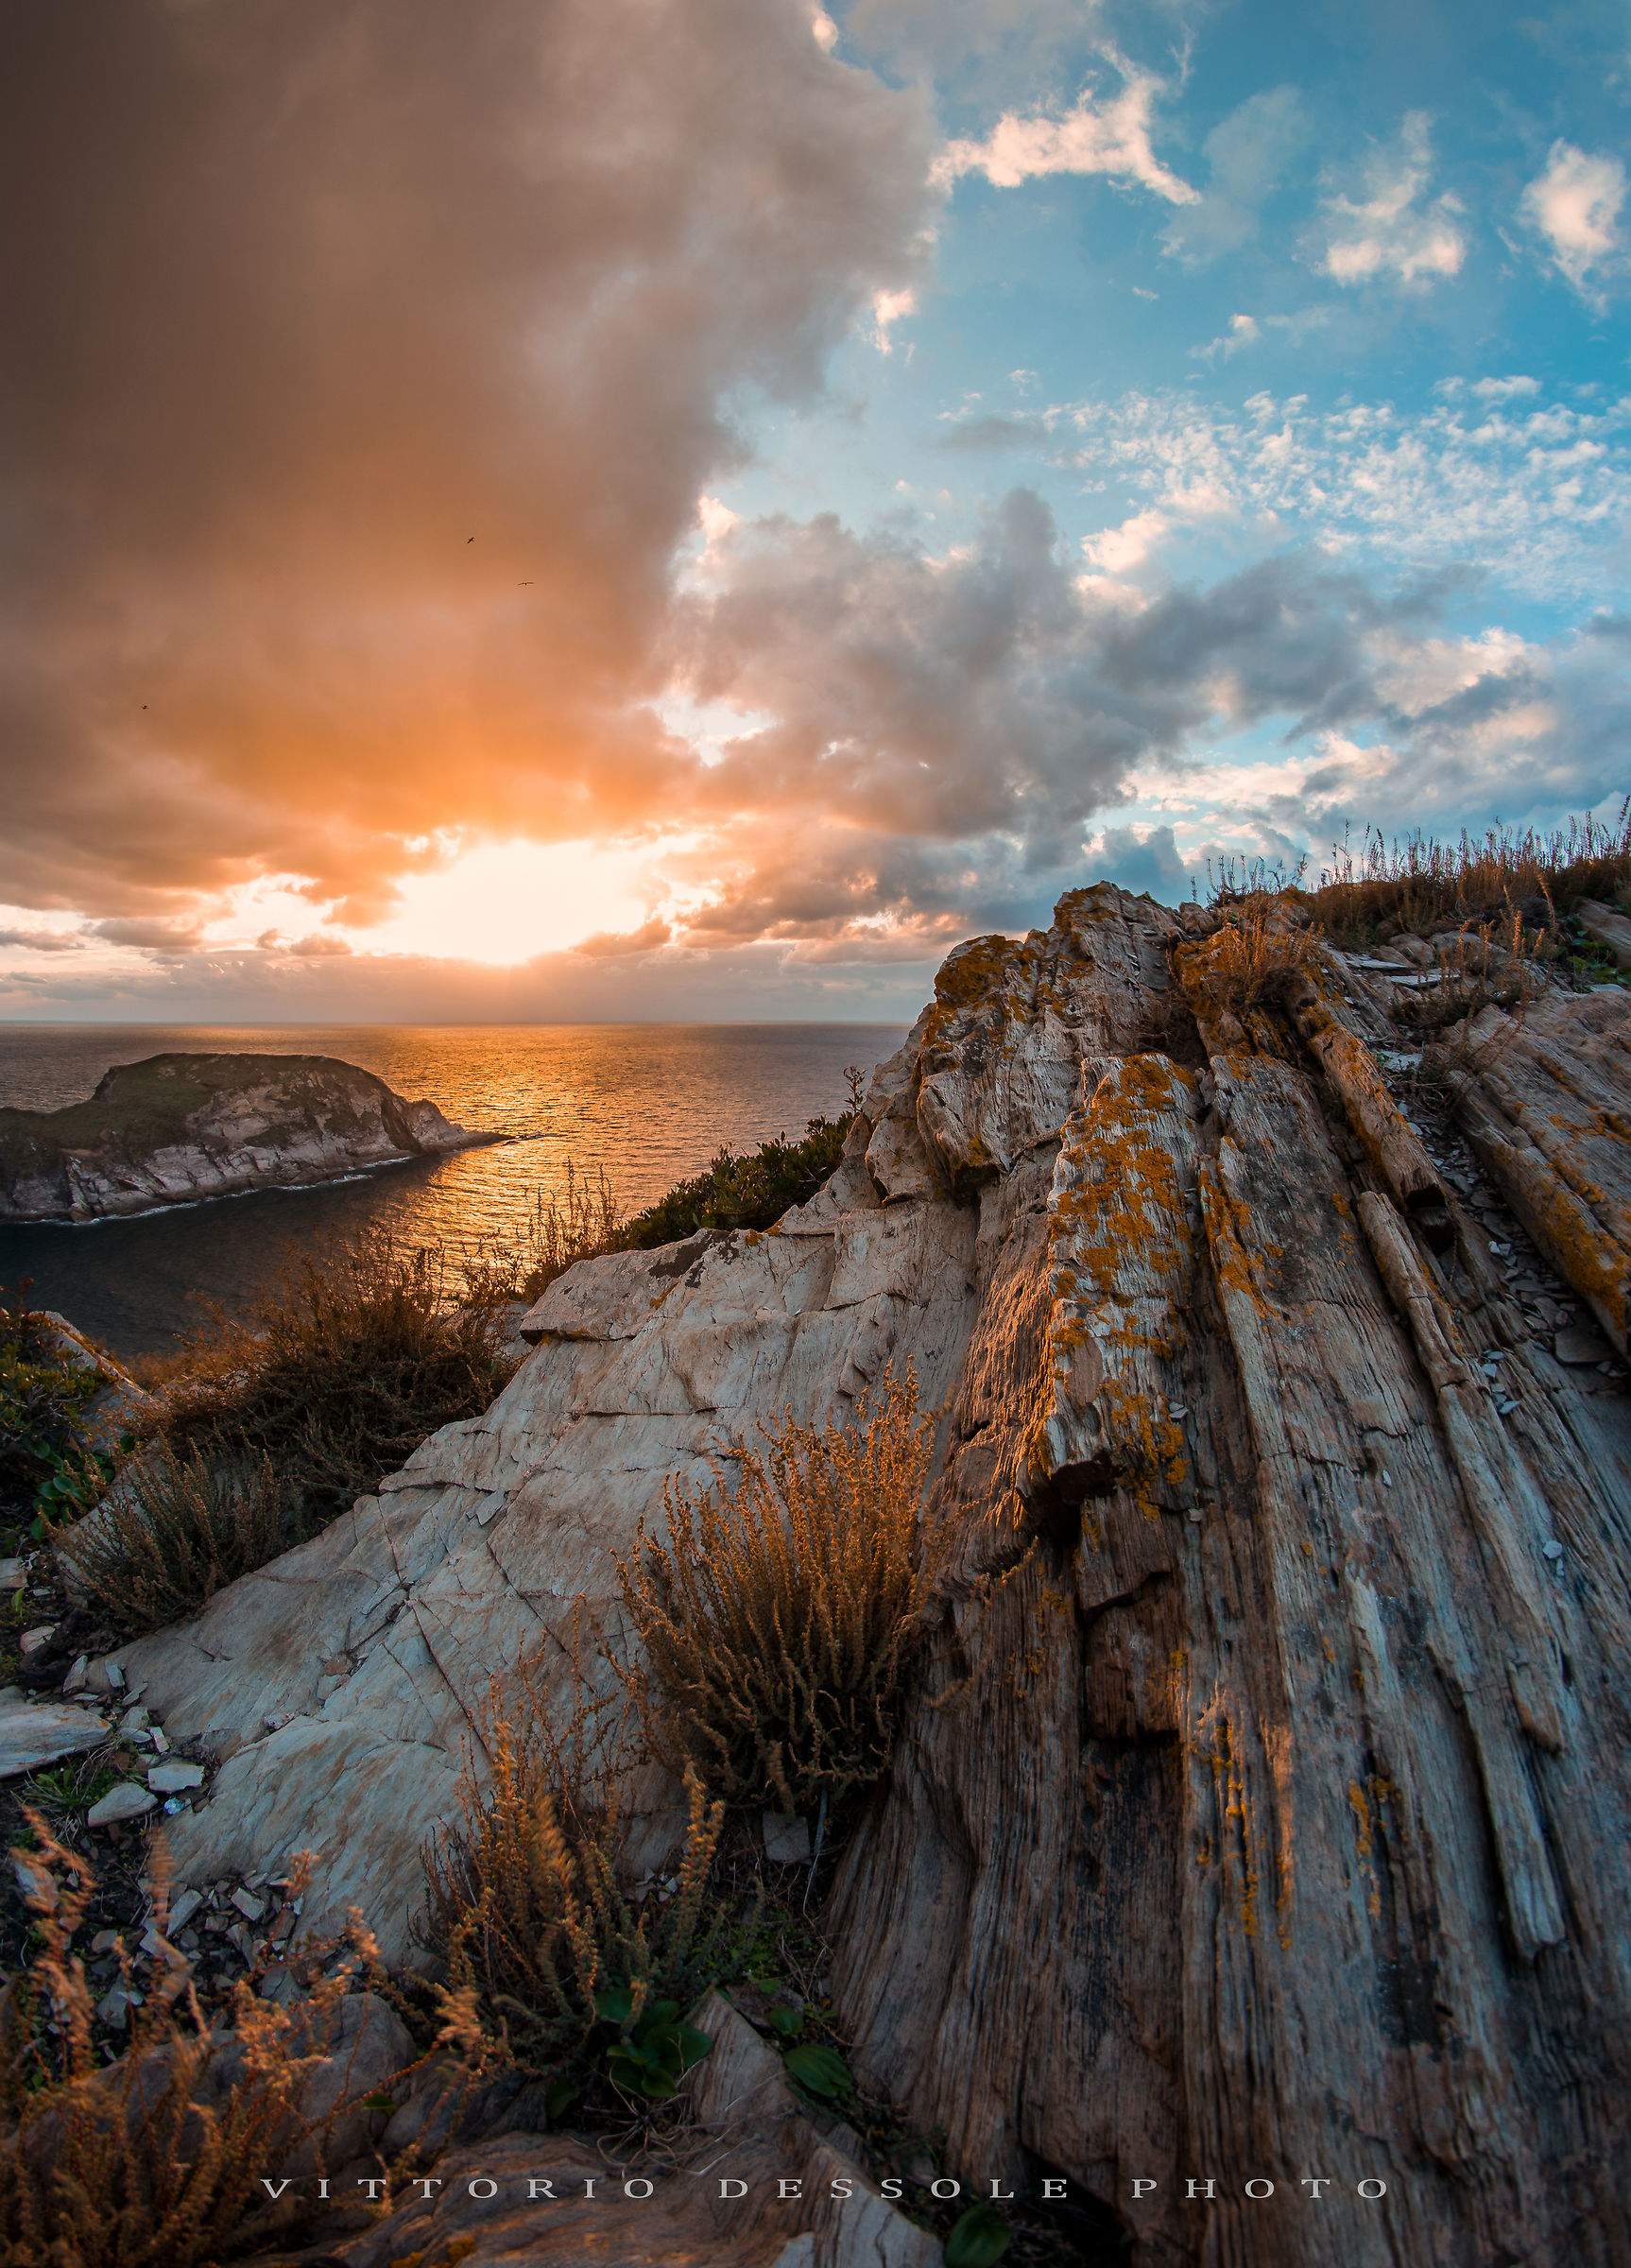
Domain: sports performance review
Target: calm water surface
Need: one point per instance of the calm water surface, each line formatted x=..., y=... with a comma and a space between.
x=650, y=1102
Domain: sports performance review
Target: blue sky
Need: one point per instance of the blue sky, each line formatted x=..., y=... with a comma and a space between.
x=690, y=509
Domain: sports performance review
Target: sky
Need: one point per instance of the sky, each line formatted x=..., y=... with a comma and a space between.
x=564, y=509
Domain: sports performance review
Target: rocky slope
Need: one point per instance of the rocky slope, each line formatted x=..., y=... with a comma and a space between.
x=1279, y=1835
x=178, y=1127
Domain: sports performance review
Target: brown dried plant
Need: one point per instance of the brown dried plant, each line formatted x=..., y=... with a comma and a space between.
x=153, y=2161
x=1257, y=950
x=175, y=1531
x=525, y=1905
x=777, y=1624
x=580, y=1221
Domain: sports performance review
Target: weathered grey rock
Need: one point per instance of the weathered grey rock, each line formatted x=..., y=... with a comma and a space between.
x=178, y=1128
x=35, y=1734
x=1280, y=1831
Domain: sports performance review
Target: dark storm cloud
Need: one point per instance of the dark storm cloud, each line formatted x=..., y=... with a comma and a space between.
x=362, y=364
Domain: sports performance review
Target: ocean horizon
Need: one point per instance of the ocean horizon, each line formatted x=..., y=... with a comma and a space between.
x=648, y=1104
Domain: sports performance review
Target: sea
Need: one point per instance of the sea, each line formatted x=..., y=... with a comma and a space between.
x=645, y=1104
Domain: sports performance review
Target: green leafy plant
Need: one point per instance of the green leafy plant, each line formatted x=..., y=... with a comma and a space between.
x=653, y=2049
x=778, y=1625
x=748, y=1192
x=48, y=1472
x=978, y=2238
x=820, y=2070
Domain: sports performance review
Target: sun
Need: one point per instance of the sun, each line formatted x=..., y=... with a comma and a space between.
x=505, y=902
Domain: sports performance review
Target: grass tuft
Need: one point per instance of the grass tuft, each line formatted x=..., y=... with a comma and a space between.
x=544, y=1949
x=356, y=1355
x=174, y=1532
x=778, y=1624
x=1422, y=886
x=155, y=2161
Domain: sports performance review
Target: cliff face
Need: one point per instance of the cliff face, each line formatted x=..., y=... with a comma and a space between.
x=1280, y=1832
x=178, y=1127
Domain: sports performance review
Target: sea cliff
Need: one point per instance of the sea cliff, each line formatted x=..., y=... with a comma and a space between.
x=178, y=1128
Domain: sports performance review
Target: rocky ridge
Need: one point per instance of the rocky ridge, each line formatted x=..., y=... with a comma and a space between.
x=178, y=1128
x=1281, y=1832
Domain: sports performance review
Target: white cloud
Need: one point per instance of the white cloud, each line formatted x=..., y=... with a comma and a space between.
x=825, y=30
x=1110, y=137
x=888, y=309
x=1391, y=230
x=1576, y=204
x=1533, y=492
x=1243, y=332
x=1119, y=549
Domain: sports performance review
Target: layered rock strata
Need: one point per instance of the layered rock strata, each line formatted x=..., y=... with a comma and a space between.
x=175, y=1128
x=1264, y=1818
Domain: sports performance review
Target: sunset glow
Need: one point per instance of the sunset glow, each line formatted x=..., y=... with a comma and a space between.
x=651, y=501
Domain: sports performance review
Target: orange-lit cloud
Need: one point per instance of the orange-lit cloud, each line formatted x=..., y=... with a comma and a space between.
x=366, y=361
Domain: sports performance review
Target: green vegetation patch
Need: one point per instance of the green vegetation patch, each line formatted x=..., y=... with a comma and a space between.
x=752, y=1191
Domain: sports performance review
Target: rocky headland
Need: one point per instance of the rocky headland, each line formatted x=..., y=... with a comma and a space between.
x=1264, y=1817
x=178, y=1128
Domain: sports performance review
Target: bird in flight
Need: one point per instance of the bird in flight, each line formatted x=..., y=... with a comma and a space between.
x=469, y=539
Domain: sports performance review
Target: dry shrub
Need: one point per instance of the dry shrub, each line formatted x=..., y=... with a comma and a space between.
x=1480, y=970
x=154, y=2162
x=1260, y=948
x=174, y=1532
x=1424, y=885
x=526, y=1905
x=357, y=1353
x=580, y=1221
x=778, y=1624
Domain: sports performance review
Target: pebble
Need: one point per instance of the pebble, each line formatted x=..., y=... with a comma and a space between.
x=251, y=1907
x=76, y=1677
x=31, y=1641
x=1552, y=1551
x=127, y=1801
x=13, y=1574
x=184, y=1908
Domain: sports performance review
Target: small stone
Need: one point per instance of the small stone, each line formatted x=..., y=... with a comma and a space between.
x=115, y=1677
x=172, y=1805
x=36, y=1883
x=114, y=2009
x=182, y=1909
x=1552, y=1550
x=251, y=1907
x=1387, y=1480
x=76, y=1677
x=160, y=1741
x=33, y=1640
x=134, y=1720
x=171, y=1778
x=13, y=1574
x=126, y=1801
x=786, y=1839
x=1195, y=1514
x=276, y=1724
x=239, y=1936
x=1579, y=1347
